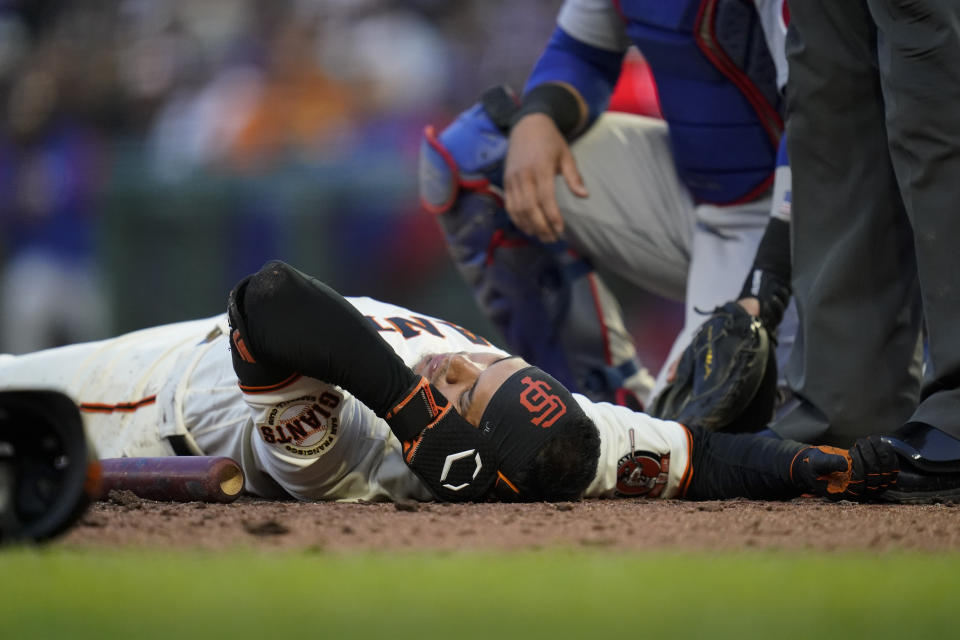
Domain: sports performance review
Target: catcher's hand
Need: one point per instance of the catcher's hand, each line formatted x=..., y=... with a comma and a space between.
x=862, y=472
x=726, y=378
x=772, y=294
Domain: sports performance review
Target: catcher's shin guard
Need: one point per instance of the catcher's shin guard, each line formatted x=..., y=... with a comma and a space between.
x=48, y=470
x=548, y=303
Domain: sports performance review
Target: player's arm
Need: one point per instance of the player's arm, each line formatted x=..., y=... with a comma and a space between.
x=285, y=323
x=745, y=465
x=569, y=87
x=766, y=291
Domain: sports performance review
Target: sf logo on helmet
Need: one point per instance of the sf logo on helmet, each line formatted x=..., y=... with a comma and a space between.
x=535, y=398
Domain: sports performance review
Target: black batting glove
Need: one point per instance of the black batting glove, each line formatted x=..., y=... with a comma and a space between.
x=862, y=472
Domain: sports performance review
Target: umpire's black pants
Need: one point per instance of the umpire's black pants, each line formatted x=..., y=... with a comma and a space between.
x=874, y=140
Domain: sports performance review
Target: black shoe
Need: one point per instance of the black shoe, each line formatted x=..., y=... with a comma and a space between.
x=926, y=447
x=915, y=486
x=929, y=465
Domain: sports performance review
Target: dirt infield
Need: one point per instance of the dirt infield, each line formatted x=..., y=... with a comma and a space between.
x=807, y=523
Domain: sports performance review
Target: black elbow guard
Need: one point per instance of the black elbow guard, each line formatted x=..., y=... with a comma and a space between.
x=299, y=324
x=251, y=370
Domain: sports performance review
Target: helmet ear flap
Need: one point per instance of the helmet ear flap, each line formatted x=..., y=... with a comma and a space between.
x=49, y=473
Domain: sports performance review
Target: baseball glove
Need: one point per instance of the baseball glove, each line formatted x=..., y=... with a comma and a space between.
x=726, y=379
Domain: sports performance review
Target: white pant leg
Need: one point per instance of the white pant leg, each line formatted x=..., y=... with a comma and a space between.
x=639, y=218
x=115, y=383
x=724, y=246
x=641, y=222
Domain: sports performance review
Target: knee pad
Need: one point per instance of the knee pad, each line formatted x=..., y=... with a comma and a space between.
x=543, y=298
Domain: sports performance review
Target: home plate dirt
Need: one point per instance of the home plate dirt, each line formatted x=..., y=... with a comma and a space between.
x=124, y=520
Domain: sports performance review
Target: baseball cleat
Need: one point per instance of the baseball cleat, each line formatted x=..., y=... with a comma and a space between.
x=915, y=486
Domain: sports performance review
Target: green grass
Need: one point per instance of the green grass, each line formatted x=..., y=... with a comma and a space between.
x=56, y=593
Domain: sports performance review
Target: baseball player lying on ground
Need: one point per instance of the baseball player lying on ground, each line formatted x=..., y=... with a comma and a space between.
x=322, y=397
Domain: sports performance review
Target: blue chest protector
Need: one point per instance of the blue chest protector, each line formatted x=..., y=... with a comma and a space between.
x=716, y=81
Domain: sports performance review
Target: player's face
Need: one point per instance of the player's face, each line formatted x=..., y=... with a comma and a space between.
x=469, y=380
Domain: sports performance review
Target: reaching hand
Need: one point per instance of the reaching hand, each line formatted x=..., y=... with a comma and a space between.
x=536, y=155
x=859, y=473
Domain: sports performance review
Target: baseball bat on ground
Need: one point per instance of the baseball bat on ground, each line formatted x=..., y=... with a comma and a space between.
x=174, y=479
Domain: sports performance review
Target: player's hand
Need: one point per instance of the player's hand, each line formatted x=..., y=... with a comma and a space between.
x=860, y=473
x=766, y=296
x=536, y=154
x=751, y=305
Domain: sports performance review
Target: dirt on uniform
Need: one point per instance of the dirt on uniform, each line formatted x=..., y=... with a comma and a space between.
x=125, y=520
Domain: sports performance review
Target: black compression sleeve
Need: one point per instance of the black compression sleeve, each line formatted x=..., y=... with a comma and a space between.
x=727, y=465
x=297, y=323
x=773, y=253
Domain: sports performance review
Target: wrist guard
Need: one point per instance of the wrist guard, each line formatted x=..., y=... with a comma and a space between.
x=556, y=102
x=769, y=278
x=772, y=293
x=440, y=446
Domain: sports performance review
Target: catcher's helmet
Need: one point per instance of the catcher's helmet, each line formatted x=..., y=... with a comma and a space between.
x=48, y=470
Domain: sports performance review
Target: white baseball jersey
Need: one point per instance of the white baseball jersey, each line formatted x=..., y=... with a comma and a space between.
x=305, y=437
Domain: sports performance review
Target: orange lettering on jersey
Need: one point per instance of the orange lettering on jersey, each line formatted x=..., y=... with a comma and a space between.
x=378, y=326
x=413, y=327
x=466, y=333
x=536, y=399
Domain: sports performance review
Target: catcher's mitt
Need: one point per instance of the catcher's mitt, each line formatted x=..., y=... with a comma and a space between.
x=726, y=379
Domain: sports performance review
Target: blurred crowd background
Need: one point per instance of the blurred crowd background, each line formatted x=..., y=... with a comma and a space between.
x=153, y=152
